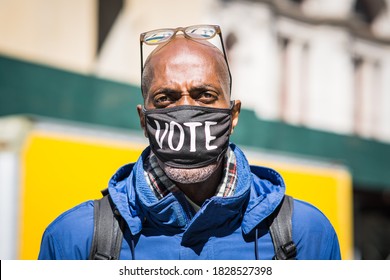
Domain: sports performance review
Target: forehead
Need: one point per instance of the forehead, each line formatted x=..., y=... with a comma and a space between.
x=182, y=50
x=186, y=59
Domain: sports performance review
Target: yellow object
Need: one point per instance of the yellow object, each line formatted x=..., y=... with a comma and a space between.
x=327, y=188
x=60, y=171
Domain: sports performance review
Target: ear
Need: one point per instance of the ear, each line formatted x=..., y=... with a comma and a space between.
x=235, y=114
x=142, y=119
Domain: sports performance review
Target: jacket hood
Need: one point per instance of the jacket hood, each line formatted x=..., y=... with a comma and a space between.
x=259, y=191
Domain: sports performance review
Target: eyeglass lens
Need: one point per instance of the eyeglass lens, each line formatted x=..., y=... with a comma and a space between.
x=196, y=32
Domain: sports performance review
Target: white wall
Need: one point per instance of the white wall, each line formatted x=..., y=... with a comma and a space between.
x=384, y=105
x=320, y=79
x=120, y=56
x=12, y=132
x=318, y=67
x=327, y=8
x=254, y=58
x=60, y=33
x=330, y=83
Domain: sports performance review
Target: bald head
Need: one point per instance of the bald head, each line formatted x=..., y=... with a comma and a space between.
x=192, y=55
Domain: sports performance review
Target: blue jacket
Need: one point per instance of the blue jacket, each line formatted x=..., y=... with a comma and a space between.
x=224, y=228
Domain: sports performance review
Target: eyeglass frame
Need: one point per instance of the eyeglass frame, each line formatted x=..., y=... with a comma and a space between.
x=217, y=29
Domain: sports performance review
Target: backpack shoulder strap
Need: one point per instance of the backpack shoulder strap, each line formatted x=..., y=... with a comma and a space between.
x=107, y=231
x=281, y=231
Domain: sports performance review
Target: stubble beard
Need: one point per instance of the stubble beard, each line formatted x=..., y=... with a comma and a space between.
x=190, y=176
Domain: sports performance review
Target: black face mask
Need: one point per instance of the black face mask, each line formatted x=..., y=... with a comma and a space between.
x=188, y=136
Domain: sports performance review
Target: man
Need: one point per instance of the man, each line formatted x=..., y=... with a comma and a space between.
x=191, y=194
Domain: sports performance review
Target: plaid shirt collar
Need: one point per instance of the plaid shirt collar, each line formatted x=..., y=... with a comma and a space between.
x=161, y=185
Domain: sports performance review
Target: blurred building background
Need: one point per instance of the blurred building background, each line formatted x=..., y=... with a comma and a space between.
x=313, y=77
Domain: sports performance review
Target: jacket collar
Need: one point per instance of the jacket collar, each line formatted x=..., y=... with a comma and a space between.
x=259, y=191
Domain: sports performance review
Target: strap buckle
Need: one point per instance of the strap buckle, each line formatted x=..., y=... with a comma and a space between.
x=287, y=251
x=103, y=257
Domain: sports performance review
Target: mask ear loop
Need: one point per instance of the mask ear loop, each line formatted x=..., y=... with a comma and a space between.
x=132, y=248
x=256, y=244
x=232, y=103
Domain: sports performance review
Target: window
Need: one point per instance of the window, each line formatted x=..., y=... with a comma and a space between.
x=108, y=11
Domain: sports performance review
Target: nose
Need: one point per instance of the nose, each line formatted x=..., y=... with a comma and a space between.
x=186, y=99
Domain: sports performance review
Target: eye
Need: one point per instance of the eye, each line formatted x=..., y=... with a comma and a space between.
x=162, y=100
x=207, y=96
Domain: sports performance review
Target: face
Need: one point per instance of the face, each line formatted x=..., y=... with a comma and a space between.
x=187, y=72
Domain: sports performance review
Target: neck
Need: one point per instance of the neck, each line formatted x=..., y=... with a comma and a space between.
x=199, y=192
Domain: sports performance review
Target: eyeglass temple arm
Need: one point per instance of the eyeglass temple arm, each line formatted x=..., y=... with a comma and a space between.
x=142, y=56
x=227, y=62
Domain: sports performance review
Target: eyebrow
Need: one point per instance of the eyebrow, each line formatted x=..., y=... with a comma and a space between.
x=165, y=90
x=170, y=90
x=206, y=87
